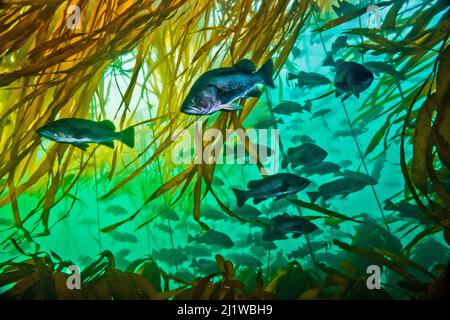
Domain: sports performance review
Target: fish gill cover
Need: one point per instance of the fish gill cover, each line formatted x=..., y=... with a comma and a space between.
x=114, y=116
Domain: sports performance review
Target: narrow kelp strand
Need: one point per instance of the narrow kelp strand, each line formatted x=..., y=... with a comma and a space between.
x=147, y=230
x=360, y=26
x=365, y=166
x=98, y=207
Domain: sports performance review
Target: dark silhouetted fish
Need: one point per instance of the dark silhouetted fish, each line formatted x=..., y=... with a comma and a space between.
x=116, y=210
x=279, y=261
x=123, y=236
x=284, y=224
x=290, y=107
x=184, y=275
x=85, y=260
x=338, y=44
x=302, y=139
x=212, y=237
x=170, y=214
x=210, y=213
x=378, y=67
x=349, y=133
x=405, y=209
x=268, y=123
x=295, y=52
x=81, y=132
x=256, y=239
x=122, y=253
x=277, y=206
x=360, y=176
x=217, y=89
x=205, y=266
x=244, y=259
x=308, y=79
x=320, y=113
x=278, y=185
x=163, y=227
x=341, y=187
x=345, y=163
x=305, y=154
x=322, y=168
x=344, y=8
x=378, y=167
x=170, y=256
x=351, y=79
x=197, y=251
x=247, y=212
x=304, y=250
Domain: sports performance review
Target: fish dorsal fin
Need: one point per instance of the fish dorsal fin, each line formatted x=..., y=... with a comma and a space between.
x=245, y=65
x=290, y=151
x=255, y=183
x=107, y=124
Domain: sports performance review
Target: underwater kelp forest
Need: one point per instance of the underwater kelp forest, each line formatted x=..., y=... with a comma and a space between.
x=220, y=149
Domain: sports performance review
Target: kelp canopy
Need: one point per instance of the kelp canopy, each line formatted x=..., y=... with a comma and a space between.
x=156, y=50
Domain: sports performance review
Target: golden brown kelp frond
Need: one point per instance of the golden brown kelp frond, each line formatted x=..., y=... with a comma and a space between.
x=41, y=276
x=48, y=70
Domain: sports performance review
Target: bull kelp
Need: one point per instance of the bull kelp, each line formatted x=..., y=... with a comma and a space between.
x=252, y=149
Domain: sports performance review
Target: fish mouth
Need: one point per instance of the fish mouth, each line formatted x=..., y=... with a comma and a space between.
x=191, y=110
x=44, y=132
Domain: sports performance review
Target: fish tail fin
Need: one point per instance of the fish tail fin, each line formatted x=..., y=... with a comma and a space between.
x=284, y=162
x=241, y=196
x=127, y=136
x=313, y=196
x=291, y=76
x=388, y=204
x=266, y=72
x=329, y=61
x=308, y=107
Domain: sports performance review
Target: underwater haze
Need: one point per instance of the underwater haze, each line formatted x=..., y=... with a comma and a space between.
x=276, y=149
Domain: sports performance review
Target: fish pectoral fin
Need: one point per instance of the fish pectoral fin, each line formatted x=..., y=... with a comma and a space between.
x=109, y=144
x=344, y=195
x=82, y=145
x=231, y=107
x=254, y=93
x=258, y=200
